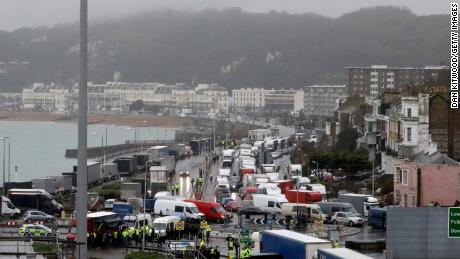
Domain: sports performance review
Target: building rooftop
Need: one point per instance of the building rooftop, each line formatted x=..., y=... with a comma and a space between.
x=435, y=158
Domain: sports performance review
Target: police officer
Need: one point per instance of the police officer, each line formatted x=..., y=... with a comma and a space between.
x=125, y=235
x=336, y=244
x=230, y=242
x=208, y=233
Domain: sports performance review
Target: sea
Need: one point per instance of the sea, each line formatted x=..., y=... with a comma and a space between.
x=37, y=149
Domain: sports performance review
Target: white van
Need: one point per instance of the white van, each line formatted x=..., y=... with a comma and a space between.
x=290, y=209
x=224, y=172
x=177, y=208
x=165, y=225
x=269, y=202
x=138, y=220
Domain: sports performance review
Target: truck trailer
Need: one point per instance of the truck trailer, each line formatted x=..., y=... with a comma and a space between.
x=47, y=184
x=291, y=244
x=362, y=202
x=303, y=196
x=340, y=253
x=130, y=190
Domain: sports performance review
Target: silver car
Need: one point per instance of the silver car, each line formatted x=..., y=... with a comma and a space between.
x=36, y=215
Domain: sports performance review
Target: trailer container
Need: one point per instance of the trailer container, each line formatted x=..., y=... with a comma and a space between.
x=195, y=145
x=47, y=184
x=93, y=173
x=362, y=202
x=291, y=244
x=63, y=183
x=340, y=253
x=156, y=152
x=142, y=159
x=126, y=165
x=285, y=185
x=169, y=162
x=111, y=169
x=122, y=209
x=130, y=190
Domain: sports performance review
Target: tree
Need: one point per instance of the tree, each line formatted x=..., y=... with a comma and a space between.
x=346, y=140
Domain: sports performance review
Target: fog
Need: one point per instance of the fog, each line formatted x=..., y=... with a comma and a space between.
x=32, y=13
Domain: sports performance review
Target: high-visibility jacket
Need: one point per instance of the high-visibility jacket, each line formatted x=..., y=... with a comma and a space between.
x=245, y=253
x=115, y=234
x=230, y=243
x=202, y=244
x=208, y=229
x=231, y=254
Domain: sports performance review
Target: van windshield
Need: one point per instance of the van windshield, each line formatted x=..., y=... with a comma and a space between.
x=159, y=226
x=194, y=209
x=218, y=209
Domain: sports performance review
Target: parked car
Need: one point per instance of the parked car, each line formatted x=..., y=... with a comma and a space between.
x=232, y=206
x=347, y=218
x=36, y=215
x=252, y=211
x=35, y=230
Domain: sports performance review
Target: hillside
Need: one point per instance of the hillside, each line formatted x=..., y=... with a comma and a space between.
x=231, y=47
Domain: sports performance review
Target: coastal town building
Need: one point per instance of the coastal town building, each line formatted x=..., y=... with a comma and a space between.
x=373, y=81
x=323, y=100
x=426, y=178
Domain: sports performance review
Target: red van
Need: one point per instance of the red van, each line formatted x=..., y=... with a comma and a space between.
x=212, y=210
x=285, y=185
x=303, y=196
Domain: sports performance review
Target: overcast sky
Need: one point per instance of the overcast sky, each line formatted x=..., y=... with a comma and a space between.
x=31, y=13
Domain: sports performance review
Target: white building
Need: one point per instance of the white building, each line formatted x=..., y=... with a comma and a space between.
x=323, y=100
x=250, y=98
x=47, y=97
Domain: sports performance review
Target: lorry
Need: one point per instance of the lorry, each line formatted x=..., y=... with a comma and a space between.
x=47, y=184
x=93, y=172
x=126, y=165
x=340, y=253
x=34, y=199
x=158, y=179
x=169, y=162
x=156, y=152
x=284, y=185
x=295, y=169
x=268, y=168
x=122, y=209
x=63, y=183
x=7, y=209
x=130, y=190
x=362, y=202
x=291, y=244
x=110, y=170
x=316, y=187
x=303, y=196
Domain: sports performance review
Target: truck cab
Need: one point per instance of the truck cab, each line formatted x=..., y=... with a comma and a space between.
x=8, y=209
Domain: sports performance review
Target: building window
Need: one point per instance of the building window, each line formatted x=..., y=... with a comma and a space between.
x=405, y=200
x=409, y=134
x=405, y=177
x=409, y=112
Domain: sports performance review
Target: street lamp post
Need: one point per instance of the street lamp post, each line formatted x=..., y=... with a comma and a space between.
x=9, y=159
x=145, y=198
x=4, y=161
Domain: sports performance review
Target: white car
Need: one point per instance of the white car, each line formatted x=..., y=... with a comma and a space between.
x=346, y=218
x=108, y=204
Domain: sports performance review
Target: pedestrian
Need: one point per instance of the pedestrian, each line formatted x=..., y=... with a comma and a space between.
x=436, y=204
x=216, y=252
x=431, y=204
x=457, y=203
